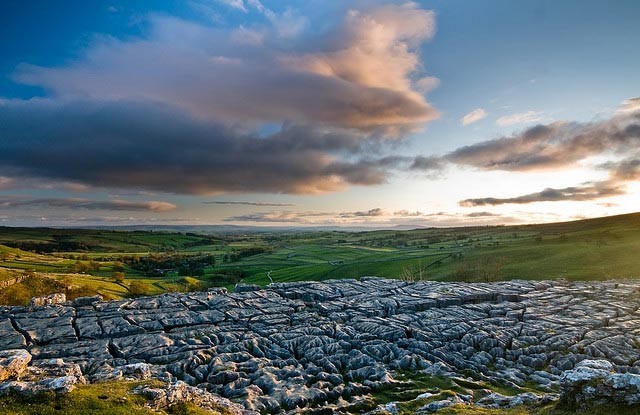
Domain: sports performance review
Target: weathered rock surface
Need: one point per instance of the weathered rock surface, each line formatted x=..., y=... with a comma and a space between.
x=179, y=392
x=13, y=363
x=594, y=382
x=48, y=300
x=313, y=344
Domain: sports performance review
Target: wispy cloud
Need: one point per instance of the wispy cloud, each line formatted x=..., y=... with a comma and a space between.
x=519, y=118
x=241, y=203
x=372, y=217
x=366, y=213
x=474, y=116
x=482, y=214
x=551, y=146
x=78, y=203
x=591, y=191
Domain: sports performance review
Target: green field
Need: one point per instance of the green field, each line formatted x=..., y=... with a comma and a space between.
x=86, y=260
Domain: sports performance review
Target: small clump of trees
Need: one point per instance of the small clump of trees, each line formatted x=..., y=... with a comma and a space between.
x=82, y=267
x=138, y=289
x=118, y=277
x=158, y=265
x=235, y=256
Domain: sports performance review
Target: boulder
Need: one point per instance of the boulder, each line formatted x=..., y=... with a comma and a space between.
x=13, y=363
x=48, y=300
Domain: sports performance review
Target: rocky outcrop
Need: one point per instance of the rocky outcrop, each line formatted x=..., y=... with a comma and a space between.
x=326, y=345
x=180, y=392
x=594, y=382
x=48, y=300
x=13, y=363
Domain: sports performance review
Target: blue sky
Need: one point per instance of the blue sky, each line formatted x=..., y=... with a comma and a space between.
x=314, y=112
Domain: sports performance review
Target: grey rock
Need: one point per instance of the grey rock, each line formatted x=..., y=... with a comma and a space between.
x=13, y=363
x=58, y=298
x=327, y=344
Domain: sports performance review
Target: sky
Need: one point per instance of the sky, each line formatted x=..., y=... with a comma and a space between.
x=317, y=112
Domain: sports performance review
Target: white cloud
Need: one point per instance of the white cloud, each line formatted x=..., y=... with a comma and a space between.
x=427, y=84
x=519, y=118
x=236, y=4
x=629, y=105
x=474, y=116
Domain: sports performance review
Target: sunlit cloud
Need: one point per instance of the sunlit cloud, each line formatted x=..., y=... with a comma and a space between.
x=519, y=118
x=79, y=203
x=362, y=82
x=375, y=217
x=192, y=124
x=474, y=116
x=242, y=203
x=591, y=191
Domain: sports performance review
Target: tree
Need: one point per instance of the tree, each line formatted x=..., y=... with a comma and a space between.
x=80, y=267
x=137, y=289
x=118, y=277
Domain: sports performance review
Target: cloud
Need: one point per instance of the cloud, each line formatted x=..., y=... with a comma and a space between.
x=308, y=217
x=216, y=202
x=236, y=4
x=407, y=213
x=140, y=146
x=551, y=146
x=181, y=109
x=473, y=116
x=519, y=118
x=77, y=203
x=357, y=76
x=630, y=105
x=592, y=191
x=562, y=145
x=278, y=217
x=12, y=183
x=367, y=213
x=372, y=217
x=427, y=84
x=481, y=214
x=627, y=169
x=432, y=163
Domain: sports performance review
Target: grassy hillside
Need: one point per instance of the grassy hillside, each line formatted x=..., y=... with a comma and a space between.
x=87, y=261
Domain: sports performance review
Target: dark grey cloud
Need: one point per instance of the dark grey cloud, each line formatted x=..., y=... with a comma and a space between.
x=138, y=145
x=77, y=203
x=481, y=214
x=241, y=203
x=627, y=169
x=364, y=213
x=428, y=164
x=591, y=191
